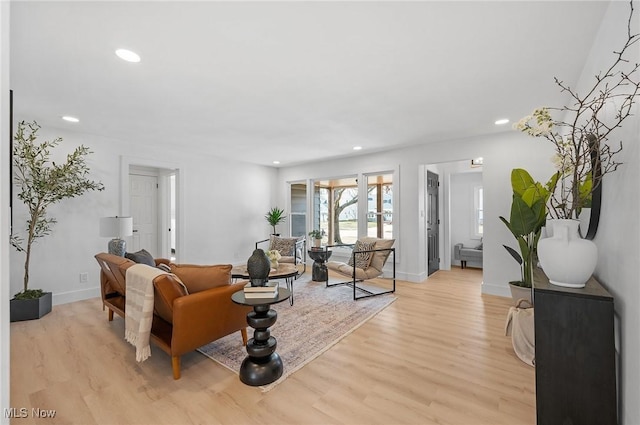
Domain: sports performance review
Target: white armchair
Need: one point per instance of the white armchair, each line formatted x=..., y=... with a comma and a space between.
x=292, y=250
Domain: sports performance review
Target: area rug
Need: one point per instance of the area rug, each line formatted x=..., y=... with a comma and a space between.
x=318, y=319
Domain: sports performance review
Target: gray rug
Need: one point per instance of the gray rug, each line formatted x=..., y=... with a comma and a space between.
x=319, y=318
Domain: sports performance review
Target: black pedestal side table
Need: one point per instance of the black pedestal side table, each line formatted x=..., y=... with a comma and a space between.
x=319, y=257
x=263, y=365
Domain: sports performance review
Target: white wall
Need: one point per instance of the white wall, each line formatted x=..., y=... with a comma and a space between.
x=618, y=237
x=4, y=209
x=501, y=153
x=462, y=208
x=224, y=205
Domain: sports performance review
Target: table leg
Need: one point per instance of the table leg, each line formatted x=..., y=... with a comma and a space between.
x=319, y=271
x=289, y=282
x=263, y=365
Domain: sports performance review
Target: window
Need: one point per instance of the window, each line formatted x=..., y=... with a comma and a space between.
x=335, y=204
x=338, y=211
x=298, y=202
x=380, y=206
x=478, y=211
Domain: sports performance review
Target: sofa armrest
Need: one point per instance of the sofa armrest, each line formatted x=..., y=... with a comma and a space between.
x=456, y=251
x=162, y=261
x=205, y=316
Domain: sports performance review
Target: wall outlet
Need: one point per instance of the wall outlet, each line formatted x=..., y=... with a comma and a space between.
x=84, y=277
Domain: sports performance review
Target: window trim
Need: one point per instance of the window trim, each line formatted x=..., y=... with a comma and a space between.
x=475, y=217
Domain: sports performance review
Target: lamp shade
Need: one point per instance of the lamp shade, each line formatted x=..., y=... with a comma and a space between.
x=116, y=227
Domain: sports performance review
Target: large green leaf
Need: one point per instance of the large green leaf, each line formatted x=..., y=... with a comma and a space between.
x=553, y=181
x=506, y=223
x=523, y=219
x=524, y=247
x=584, y=191
x=535, y=193
x=514, y=254
x=521, y=180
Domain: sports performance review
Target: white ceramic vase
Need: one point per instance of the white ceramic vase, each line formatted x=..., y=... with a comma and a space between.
x=566, y=258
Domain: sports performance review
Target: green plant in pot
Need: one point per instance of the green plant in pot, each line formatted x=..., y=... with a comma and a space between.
x=526, y=220
x=42, y=183
x=275, y=216
x=317, y=235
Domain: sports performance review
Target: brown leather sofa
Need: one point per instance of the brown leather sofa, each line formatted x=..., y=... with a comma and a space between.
x=182, y=321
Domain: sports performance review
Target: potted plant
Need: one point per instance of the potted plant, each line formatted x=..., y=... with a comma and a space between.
x=582, y=135
x=317, y=237
x=42, y=183
x=275, y=216
x=526, y=220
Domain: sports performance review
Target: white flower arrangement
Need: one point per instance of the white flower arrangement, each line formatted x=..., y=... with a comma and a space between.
x=273, y=254
x=583, y=151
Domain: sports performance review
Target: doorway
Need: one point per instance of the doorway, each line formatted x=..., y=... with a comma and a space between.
x=143, y=199
x=151, y=193
x=458, y=208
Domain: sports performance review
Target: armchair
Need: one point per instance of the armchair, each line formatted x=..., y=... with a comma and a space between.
x=368, y=257
x=292, y=250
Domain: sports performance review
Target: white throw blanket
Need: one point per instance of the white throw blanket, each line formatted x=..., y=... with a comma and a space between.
x=139, y=308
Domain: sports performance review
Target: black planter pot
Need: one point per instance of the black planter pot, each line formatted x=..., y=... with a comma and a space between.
x=30, y=309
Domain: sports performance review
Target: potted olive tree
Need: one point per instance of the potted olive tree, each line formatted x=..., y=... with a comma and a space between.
x=275, y=216
x=527, y=218
x=42, y=183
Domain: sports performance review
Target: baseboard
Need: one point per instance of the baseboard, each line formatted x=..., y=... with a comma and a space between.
x=72, y=296
x=499, y=290
x=411, y=277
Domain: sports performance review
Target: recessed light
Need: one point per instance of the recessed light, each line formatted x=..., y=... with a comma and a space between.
x=357, y=148
x=128, y=55
x=502, y=121
x=70, y=118
x=276, y=162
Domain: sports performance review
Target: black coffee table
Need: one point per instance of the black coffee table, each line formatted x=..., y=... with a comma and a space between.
x=263, y=365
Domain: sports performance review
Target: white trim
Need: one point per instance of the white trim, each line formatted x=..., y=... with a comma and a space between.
x=492, y=289
x=5, y=295
x=77, y=295
x=474, y=218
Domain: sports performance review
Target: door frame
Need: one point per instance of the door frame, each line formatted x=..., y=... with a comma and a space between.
x=164, y=170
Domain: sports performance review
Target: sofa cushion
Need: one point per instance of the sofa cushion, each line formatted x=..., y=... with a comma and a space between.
x=141, y=257
x=200, y=278
x=347, y=270
x=363, y=259
x=285, y=246
x=166, y=289
x=380, y=257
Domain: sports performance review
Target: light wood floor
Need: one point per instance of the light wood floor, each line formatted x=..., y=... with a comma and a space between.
x=438, y=355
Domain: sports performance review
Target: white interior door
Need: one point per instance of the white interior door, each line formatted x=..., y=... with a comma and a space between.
x=143, y=193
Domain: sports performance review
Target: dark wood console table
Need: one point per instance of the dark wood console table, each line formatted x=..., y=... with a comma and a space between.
x=575, y=354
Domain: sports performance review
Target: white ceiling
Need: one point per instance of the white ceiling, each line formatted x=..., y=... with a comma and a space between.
x=294, y=81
